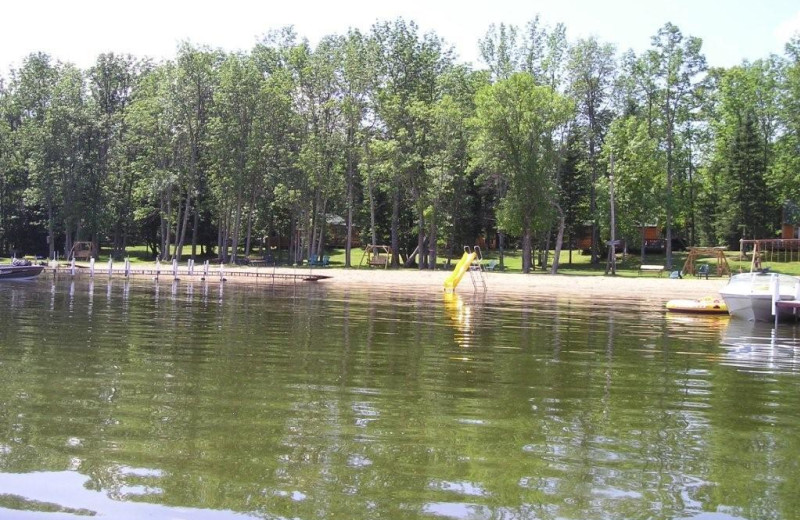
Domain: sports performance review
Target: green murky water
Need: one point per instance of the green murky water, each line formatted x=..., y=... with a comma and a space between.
x=131, y=400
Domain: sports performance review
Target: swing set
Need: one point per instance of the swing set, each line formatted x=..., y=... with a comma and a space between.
x=770, y=250
x=696, y=252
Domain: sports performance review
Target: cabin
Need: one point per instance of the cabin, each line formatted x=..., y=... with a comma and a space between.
x=336, y=232
x=790, y=227
x=653, y=242
x=790, y=231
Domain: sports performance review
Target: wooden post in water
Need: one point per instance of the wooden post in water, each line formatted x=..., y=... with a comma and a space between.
x=190, y=266
x=205, y=270
x=127, y=267
x=91, y=267
x=110, y=265
x=158, y=267
x=776, y=296
x=175, y=269
x=221, y=272
x=72, y=266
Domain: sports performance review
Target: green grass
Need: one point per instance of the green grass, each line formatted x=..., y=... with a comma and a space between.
x=628, y=266
x=580, y=265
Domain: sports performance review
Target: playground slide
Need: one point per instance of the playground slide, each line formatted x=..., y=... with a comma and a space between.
x=458, y=273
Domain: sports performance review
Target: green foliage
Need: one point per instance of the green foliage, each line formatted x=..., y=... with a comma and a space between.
x=385, y=130
x=638, y=168
x=516, y=123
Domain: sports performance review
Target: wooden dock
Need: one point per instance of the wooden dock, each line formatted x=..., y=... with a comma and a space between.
x=183, y=273
x=789, y=305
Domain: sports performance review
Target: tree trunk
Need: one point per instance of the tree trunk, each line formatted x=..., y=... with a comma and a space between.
x=250, y=212
x=642, y=253
x=195, y=222
x=527, y=248
x=546, y=252
x=237, y=222
x=371, y=192
x=166, y=224
x=421, y=240
x=220, y=243
x=396, y=227
x=348, y=246
x=178, y=222
x=432, y=240
x=501, y=248
x=51, y=236
x=562, y=222
x=184, y=225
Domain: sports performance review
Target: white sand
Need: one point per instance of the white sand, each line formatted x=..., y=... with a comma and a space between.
x=647, y=286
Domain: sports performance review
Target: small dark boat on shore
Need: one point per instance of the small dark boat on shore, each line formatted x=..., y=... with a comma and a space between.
x=20, y=270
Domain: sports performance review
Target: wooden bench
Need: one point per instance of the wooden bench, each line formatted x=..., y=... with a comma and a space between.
x=652, y=269
x=379, y=261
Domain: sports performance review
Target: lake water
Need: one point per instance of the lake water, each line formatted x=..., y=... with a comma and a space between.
x=133, y=399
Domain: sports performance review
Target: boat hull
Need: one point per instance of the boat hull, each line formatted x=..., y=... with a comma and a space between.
x=749, y=297
x=20, y=272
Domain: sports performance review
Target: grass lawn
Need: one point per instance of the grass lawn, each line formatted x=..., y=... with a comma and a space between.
x=580, y=264
x=629, y=266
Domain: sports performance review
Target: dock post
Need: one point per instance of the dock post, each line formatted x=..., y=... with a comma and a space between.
x=776, y=295
x=91, y=267
x=190, y=266
x=221, y=272
x=158, y=267
x=72, y=266
x=175, y=269
x=127, y=268
x=205, y=270
x=110, y=266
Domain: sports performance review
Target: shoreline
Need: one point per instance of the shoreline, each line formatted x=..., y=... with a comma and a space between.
x=646, y=286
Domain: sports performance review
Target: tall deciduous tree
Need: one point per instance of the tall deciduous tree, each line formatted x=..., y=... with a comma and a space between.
x=591, y=70
x=191, y=95
x=638, y=177
x=235, y=155
x=410, y=68
x=517, y=122
x=111, y=84
x=676, y=62
x=358, y=80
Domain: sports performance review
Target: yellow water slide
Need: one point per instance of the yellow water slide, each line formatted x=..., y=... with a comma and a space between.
x=458, y=273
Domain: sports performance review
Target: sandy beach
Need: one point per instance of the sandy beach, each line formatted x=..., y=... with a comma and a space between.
x=647, y=286
x=539, y=284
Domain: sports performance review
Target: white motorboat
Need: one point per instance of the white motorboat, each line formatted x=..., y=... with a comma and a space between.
x=749, y=295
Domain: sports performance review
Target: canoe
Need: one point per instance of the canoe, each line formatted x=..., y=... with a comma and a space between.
x=707, y=305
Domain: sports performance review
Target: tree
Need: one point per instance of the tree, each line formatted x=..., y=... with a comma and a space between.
x=783, y=174
x=318, y=99
x=234, y=150
x=406, y=94
x=516, y=122
x=591, y=71
x=358, y=78
x=112, y=81
x=638, y=176
x=746, y=208
x=191, y=94
x=500, y=51
x=676, y=63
